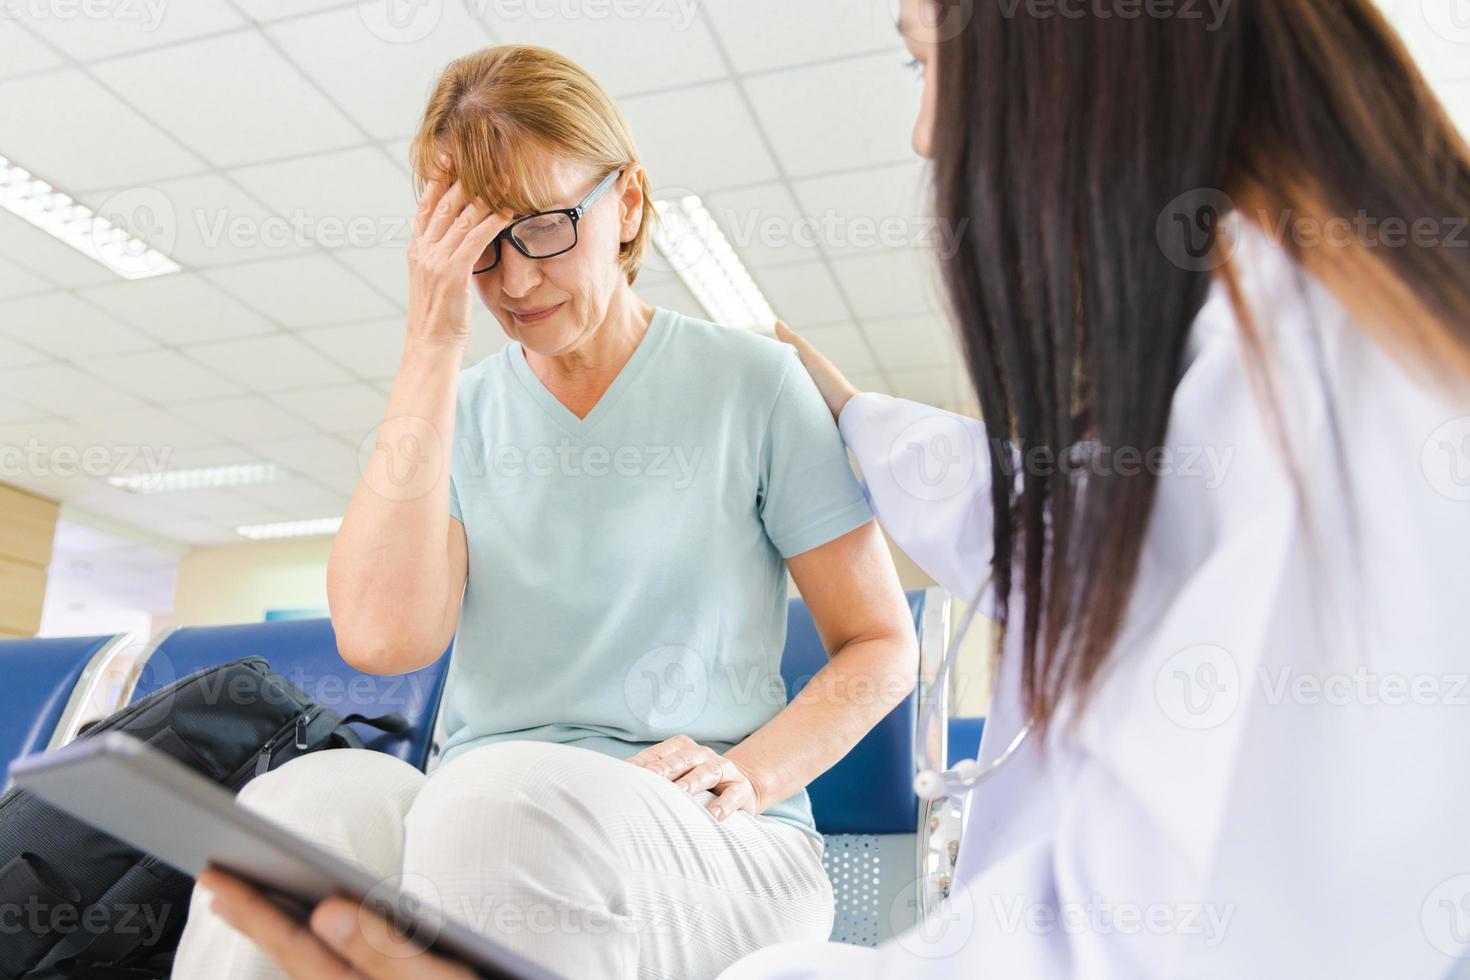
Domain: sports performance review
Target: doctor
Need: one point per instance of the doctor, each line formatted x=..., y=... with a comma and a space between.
x=1214, y=298
x=1223, y=491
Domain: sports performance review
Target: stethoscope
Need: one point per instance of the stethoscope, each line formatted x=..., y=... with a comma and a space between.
x=929, y=783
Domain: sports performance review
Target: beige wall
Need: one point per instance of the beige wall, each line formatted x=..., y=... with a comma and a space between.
x=27, y=531
x=973, y=668
x=237, y=583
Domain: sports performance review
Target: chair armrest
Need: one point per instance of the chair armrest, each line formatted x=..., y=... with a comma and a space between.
x=90, y=699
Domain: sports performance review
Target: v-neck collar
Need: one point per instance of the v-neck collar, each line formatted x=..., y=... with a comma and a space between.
x=652, y=338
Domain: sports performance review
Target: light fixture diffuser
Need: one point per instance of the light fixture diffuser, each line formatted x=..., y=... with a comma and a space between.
x=204, y=478
x=316, y=527
x=68, y=220
x=696, y=248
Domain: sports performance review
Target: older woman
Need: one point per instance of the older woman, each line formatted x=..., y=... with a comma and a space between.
x=602, y=515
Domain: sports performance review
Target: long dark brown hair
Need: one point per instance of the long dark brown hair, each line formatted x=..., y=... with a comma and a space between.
x=1063, y=140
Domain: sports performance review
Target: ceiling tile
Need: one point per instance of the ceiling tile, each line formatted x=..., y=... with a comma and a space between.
x=268, y=10
x=273, y=362
x=62, y=389
x=348, y=198
x=870, y=382
x=94, y=30
x=803, y=295
x=39, y=254
x=296, y=498
x=344, y=481
x=601, y=38
x=99, y=141
x=16, y=281
x=1456, y=98
x=839, y=115
x=765, y=34
x=179, y=309
x=671, y=294
x=248, y=419
x=891, y=282
x=97, y=497
x=195, y=533
x=209, y=220
x=336, y=408
x=55, y=449
x=15, y=354
x=309, y=455
x=873, y=208
x=219, y=452
x=388, y=101
x=844, y=345
x=765, y=225
x=305, y=291
x=698, y=139
x=226, y=505
x=383, y=266
x=237, y=99
x=911, y=342
x=14, y=411
x=64, y=326
x=397, y=151
x=370, y=350
x=932, y=386
x=23, y=51
x=146, y=427
x=161, y=376
x=1437, y=34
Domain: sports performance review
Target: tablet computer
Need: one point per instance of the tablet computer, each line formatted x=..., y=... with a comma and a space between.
x=125, y=788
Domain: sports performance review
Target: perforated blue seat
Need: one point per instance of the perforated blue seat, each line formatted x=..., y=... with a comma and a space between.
x=865, y=805
x=871, y=790
x=47, y=683
x=964, y=738
x=304, y=652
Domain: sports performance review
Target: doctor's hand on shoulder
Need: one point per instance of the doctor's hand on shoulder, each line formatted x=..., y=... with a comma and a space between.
x=833, y=384
x=345, y=941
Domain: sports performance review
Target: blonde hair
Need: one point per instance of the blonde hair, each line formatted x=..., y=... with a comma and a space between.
x=491, y=111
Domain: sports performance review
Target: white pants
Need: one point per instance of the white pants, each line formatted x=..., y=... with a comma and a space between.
x=581, y=862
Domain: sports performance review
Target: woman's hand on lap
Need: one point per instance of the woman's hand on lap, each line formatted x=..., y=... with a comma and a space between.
x=695, y=768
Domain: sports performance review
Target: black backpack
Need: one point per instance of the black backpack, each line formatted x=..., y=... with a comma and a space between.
x=75, y=902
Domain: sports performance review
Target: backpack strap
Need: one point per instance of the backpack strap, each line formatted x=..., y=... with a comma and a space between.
x=394, y=723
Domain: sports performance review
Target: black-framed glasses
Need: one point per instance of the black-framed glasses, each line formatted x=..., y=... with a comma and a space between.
x=545, y=233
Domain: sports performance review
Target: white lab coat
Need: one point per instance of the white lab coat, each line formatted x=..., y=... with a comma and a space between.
x=1273, y=777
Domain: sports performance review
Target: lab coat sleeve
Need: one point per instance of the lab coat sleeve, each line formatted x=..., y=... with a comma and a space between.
x=927, y=475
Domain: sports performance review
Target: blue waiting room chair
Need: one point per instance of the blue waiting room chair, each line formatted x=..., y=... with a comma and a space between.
x=49, y=684
x=886, y=853
x=304, y=652
x=881, y=852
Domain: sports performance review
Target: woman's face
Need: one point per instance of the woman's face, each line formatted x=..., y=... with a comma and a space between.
x=552, y=306
x=919, y=24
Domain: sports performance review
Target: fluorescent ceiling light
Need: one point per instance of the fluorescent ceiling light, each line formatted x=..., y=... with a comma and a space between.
x=290, y=529
x=58, y=215
x=700, y=254
x=208, y=477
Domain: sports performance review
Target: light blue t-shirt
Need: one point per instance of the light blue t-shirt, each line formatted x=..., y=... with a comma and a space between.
x=626, y=573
